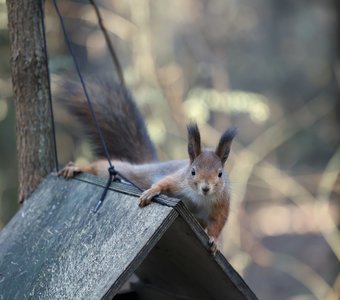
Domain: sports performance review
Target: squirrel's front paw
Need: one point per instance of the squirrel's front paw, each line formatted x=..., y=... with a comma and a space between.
x=69, y=171
x=146, y=197
x=213, y=245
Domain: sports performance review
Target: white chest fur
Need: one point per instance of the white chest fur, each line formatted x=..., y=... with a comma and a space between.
x=199, y=205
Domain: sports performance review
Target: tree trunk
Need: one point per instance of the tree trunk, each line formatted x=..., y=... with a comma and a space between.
x=30, y=78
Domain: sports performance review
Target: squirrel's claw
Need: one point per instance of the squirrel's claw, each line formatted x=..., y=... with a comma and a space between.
x=213, y=245
x=146, y=197
x=144, y=202
x=69, y=171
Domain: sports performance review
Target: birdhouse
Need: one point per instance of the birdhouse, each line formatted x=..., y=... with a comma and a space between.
x=56, y=247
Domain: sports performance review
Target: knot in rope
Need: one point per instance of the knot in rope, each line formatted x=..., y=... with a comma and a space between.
x=112, y=171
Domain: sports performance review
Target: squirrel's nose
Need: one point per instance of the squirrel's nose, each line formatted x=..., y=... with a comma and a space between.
x=205, y=189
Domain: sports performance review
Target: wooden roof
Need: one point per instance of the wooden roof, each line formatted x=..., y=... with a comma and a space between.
x=55, y=247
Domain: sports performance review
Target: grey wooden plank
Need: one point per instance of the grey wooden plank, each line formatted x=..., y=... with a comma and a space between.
x=57, y=248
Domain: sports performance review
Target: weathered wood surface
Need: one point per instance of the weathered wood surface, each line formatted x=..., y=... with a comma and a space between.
x=57, y=248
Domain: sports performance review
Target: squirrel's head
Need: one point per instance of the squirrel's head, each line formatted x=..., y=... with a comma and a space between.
x=206, y=174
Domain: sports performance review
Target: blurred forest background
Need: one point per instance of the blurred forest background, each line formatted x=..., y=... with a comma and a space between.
x=269, y=67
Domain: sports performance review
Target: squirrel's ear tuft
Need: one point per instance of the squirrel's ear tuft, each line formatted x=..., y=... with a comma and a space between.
x=223, y=148
x=194, y=141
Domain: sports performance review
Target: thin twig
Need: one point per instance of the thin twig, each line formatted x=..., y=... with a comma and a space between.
x=108, y=43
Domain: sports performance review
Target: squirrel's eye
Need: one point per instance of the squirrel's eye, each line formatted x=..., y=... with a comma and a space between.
x=220, y=174
x=193, y=172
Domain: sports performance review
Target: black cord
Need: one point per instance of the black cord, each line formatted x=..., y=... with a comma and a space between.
x=42, y=16
x=112, y=172
x=68, y=43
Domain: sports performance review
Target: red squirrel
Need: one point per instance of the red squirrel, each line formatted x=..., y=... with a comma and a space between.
x=200, y=181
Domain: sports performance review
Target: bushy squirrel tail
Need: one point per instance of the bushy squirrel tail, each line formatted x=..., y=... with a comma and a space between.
x=118, y=117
